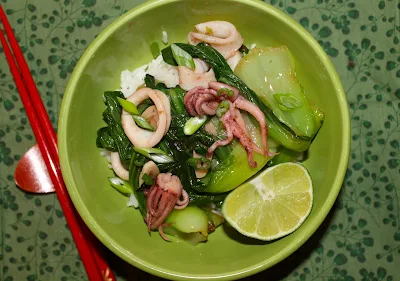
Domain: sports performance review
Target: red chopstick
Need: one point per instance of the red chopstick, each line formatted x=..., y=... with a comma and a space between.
x=95, y=265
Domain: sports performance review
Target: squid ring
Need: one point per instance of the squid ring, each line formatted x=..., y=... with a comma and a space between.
x=117, y=166
x=222, y=35
x=140, y=137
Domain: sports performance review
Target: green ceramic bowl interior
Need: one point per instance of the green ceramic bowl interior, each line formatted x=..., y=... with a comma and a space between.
x=125, y=45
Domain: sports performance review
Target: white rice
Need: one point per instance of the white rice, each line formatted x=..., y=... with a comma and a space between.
x=165, y=37
x=159, y=69
x=253, y=46
x=130, y=81
x=164, y=72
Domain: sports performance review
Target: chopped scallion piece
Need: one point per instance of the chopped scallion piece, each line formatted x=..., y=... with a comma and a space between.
x=120, y=185
x=155, y=154
x=222, y=108
x=128, y=106
x=209, y=31
x=150, y=150
x=193, y=124
x=142, y=123
x=182, y=57
x=225, y=91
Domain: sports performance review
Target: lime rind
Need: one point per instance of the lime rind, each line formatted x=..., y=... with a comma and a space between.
x=255, y=183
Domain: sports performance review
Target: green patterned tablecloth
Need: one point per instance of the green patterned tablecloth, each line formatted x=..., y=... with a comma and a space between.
x=360, y=239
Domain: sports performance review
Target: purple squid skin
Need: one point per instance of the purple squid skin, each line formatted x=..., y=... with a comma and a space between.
x=161, y=199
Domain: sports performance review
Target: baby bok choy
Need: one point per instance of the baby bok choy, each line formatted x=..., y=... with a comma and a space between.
x=189, y=224
x=270, y=72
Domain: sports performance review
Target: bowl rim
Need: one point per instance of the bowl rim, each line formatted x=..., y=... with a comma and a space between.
x=136, y=261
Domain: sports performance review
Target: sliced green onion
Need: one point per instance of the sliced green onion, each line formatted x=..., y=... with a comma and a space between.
x=155, y=49
x=146, y=151
x=287, y=102
x=147, y=179
x=142, y=123
x=132, y=109
x=222, y=108
x=182, y=57
x=209, y=31
x=176, y=101
x=229, y=93
x=193, y=124
x=200, y=163
x=120, y=185
x=128, y=106
x=155, y=154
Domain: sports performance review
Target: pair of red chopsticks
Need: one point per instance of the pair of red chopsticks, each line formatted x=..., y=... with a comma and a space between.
x=87, y=245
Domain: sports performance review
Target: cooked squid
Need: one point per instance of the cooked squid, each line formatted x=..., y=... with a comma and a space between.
x=161, y=199
x=201, y=101
x=151, y=115
x=117, y=166
x=251, y=108
x=201, y=76
x=221, y=35
x=140, y=137
x=234, y=60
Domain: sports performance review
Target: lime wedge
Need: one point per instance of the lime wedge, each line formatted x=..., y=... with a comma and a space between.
x=273, y=204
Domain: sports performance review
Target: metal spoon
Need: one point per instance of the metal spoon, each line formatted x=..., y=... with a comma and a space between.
x=31, y=173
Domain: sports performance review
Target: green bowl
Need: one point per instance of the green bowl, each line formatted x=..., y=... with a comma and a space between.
x=125, y=45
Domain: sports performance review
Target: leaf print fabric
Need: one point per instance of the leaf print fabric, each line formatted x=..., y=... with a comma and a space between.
x=359, y=240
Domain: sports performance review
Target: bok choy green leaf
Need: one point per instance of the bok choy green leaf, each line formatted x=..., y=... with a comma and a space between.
x=134, y=172
x=104, y=139
x=114, y=130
